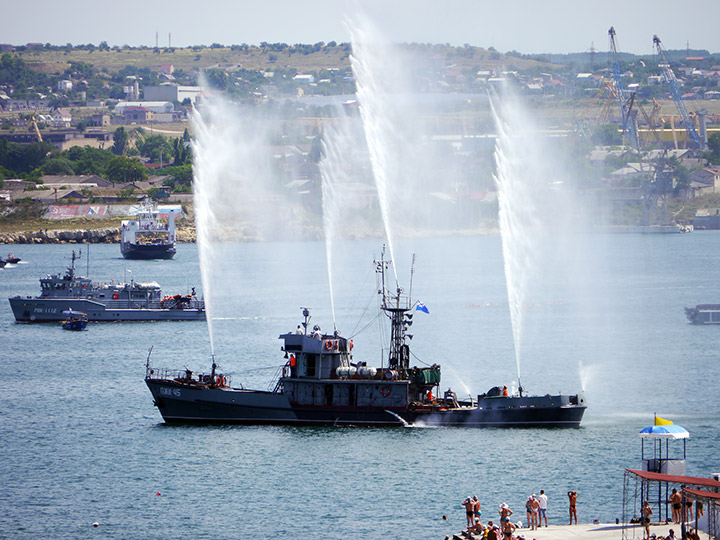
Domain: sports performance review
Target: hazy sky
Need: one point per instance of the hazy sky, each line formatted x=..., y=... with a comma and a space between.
x=532, y=26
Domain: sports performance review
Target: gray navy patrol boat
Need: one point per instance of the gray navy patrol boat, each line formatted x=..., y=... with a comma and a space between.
x=703, y=314
x=320, y=384
x=134, y=301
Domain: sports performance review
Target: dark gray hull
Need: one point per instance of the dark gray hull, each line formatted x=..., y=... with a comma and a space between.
x=147, y=251
x=181, y=403
x=35, y=310
x=704, y=314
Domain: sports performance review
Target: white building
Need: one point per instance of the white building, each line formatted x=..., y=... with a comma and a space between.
x=158, y=107
x=172, y=92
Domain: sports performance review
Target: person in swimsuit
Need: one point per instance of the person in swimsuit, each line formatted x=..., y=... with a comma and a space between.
x=572, y=495
x=535, y=512
x=675, y=500
x=508, y=529
x=688, y=511
x=528, y=511
x=476, y=507
x=469, y=505
x=646, y=512
x=505, y=513
x=477, y=528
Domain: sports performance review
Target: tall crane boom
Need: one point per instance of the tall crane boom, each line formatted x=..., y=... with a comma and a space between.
x=624, y=105
x=669, y=76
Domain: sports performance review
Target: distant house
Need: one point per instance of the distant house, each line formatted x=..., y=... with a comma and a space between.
x=82, y=181
x=167, y=69
x=600, y=153
x=61, y=118
x=49, y=196
x=99, y=120
x=304, y=78
x=709, y=176
x=64, y=86
x=154, y=106
x=137, y=115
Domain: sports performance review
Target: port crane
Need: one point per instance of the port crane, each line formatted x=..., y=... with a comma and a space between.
x=32, y=123
x=669, y=76
x=629, y=128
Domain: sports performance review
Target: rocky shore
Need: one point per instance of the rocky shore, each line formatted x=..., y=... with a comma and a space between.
x=80, y=236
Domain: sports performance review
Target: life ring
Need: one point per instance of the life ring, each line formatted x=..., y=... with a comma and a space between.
x=328, y=345
x=221, y=380
x=385, y=391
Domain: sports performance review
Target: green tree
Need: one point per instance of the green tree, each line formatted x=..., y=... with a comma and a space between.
x=58, y=165
x=124, y=169
x=607, y=135
x=88, y=160
x=23, y=159
x=120, y=138
x=179, y=176
x=155, y=147
x=713, y=154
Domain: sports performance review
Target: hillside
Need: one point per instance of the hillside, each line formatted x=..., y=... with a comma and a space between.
x=57, y=60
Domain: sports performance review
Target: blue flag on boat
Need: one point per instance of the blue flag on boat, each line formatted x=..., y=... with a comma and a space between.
x=422, y=307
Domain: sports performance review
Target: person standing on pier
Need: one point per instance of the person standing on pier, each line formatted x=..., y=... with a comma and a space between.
x=542, y=513
x=535, y=512
x=469, y=505
x=508, y=528
x=476, y=507
x=529, y=512
x=646, y=512
x=675, y=501
x=572, y=496
x=505, y=513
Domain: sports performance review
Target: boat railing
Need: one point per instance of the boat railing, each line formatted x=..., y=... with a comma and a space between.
x=276, y=383
x=186, y=376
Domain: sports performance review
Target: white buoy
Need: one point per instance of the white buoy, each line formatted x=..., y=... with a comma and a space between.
x=96, y=524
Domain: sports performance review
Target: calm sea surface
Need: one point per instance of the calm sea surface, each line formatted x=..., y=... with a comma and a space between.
x=81, y=441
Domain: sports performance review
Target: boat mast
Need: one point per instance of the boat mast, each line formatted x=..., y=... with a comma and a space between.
x=396, y=307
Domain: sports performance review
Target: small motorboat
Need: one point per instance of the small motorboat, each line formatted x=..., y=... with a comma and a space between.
x=12, y=260
x=74, y=320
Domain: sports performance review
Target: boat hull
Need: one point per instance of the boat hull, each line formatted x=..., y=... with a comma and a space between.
x=35, y=310
x=75, y=326
x=704, y=314
x=180, y=403
x=147, y=251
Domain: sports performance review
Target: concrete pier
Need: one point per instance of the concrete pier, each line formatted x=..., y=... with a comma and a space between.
x=602, y=531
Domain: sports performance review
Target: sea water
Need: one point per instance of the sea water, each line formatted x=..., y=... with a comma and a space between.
x=82, y=443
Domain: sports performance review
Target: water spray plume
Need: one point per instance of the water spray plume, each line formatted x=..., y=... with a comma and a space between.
x=237, y=194
x=519, y=178
x=368, y=61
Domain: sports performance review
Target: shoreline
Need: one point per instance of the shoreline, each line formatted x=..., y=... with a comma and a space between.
x=188, y=235
x=110, y=235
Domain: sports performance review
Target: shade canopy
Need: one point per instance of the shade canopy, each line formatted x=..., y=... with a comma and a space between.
x=672, y=431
